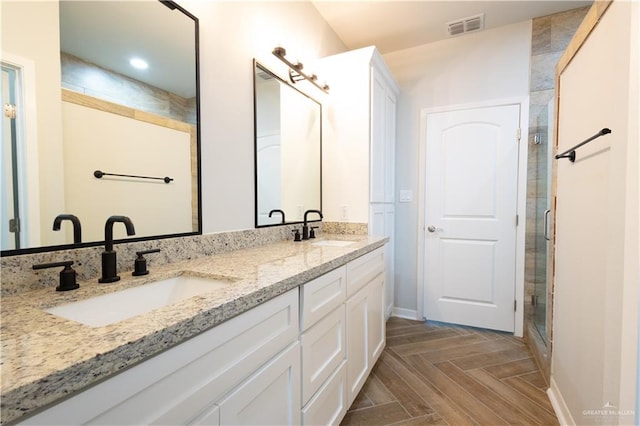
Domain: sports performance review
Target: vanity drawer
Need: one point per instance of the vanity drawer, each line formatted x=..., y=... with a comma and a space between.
x=323, y=349
x=363, y=269
x=329, y=405
x=321, y=296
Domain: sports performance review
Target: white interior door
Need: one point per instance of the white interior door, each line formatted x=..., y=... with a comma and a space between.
x=269, y=179
x=470, y=216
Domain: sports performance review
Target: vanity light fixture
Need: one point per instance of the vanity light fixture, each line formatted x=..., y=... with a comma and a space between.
x=295, y=70
x=138, y=63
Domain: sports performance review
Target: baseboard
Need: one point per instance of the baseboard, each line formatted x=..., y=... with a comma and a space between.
x=559, y=406
x=405, y=313
x=388, y=312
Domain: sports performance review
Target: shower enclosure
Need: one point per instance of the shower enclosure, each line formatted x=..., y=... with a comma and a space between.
x=543, y=140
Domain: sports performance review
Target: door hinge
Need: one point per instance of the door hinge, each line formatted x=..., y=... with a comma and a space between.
x=517, y=220
x=518, y=134
x=14, y=225
x=10, y=111
x=515, y=306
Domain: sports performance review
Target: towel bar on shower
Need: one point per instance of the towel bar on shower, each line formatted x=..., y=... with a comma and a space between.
x=571, y=152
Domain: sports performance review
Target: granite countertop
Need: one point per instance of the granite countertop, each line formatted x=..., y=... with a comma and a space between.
x=46, y=357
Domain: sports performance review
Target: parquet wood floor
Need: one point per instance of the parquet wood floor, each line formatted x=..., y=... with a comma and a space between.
x=439, y=374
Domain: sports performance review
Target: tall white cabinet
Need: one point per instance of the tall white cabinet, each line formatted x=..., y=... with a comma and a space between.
x=359, y=127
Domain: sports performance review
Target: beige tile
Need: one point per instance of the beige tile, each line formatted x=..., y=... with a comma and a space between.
x=410, y=400
x=461, y=396
x=532, y=392
x=541, y=35
x=507, y=411
x=564, y=26
x=493, y=358
x=543, y=70
x=501, y=384
x=377, y=415
x=514, y=397
x=376, y=392
x=513, y=368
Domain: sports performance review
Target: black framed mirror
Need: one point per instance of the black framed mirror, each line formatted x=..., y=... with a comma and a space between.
x=288, y=150
x=125, y=130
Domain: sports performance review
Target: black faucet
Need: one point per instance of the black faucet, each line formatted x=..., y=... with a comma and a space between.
x=77, y=229
x=109, y=260
x=277, y=211
x=305, y=227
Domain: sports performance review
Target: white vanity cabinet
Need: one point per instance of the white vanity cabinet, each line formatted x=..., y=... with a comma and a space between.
x=323, y=338
x=300, y=358
x=359, y=138
x=246, y=369
x=340, y=348
x=271, y=396
x=365, y=318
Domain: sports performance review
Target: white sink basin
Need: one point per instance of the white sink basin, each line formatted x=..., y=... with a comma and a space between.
x=333, y=243
x=120, y=305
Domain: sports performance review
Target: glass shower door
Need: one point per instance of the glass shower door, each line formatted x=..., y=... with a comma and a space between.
x=544, y=142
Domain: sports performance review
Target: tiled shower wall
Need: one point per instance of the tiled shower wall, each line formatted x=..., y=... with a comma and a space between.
x=90, y=79
x=550, y=36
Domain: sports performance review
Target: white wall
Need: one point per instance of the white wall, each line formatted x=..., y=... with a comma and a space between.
x=594, y=358
x=492, y=64
x=231, y=35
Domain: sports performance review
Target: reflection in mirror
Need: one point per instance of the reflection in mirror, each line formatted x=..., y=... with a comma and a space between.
x=287, y=150
x=128, y=102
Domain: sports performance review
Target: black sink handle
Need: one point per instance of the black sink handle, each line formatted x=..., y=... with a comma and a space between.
x=67, y=275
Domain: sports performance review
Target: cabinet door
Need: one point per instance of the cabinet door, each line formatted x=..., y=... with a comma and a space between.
x=389, y=255
x=382, y=224
x=375, y=318
x=323, y=349
x=389, y=145
x=377, y=143
x=357, y=350
x=383, y=139
x=271, y=396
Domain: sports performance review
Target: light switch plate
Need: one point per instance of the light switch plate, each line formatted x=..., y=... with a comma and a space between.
x=406, y=195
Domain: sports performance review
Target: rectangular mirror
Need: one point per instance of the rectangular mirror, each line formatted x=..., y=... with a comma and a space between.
x=288, y=153
x=129, y=122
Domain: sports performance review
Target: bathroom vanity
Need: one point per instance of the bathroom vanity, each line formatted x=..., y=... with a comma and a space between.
x=290, y=339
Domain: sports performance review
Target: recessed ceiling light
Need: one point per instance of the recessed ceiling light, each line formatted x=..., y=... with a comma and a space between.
x=138, y=63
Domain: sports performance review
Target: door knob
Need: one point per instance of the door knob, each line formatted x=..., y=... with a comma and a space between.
x=431, y=228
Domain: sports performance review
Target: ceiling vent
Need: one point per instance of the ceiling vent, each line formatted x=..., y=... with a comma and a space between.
x=465, y=25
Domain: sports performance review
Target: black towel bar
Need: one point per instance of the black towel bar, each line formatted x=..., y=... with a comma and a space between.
x=571, y=152
x=99, y=174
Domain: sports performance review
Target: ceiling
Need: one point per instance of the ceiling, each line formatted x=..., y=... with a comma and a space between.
x=398, y=25
x=110, y=33
x=107, y=33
